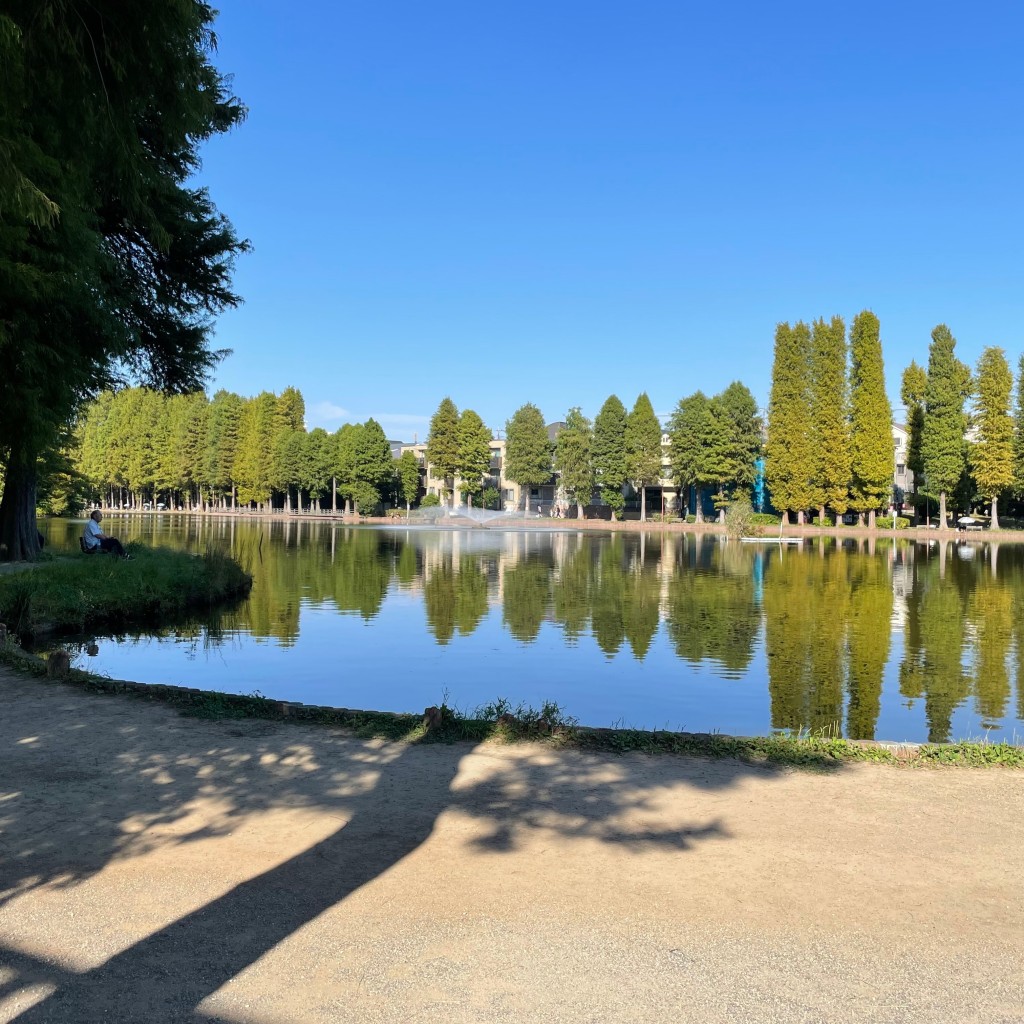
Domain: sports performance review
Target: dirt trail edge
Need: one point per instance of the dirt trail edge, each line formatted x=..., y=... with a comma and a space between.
x=156, y=868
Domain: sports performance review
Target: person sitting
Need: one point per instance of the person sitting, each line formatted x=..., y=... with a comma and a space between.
x=94, y=539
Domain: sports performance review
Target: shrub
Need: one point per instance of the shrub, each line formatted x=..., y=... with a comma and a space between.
x=738, y=517
x=764, y=519
x=885, y=523
x=691, y=518
x=430, y=501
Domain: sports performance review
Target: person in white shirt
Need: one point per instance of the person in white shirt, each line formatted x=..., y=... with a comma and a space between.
x=94, y=538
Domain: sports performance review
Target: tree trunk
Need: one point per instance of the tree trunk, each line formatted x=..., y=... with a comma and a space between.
x=821, y=516
x=785, y=518
x=871, y=519
x=643, y=503
x=942, y=511
x=19, y=537
x=334, y=495
x=994, y=525
x=800, y=517
x=579, y=510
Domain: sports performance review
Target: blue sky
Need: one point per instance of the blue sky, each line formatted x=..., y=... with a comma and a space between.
x=551, y=202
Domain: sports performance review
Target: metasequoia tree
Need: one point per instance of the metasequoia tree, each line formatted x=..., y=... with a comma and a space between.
x=112, y=262
x=443, y=445
x=643, y=449
x=609, y=451
x=699, y=437
x=527, y=450
x=474, y=453
x=992, y=451
x=574, y=458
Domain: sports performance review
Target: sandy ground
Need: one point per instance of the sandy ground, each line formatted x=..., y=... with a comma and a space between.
x=155, y=868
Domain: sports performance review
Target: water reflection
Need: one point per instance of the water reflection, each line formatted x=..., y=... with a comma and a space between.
x=862, y=638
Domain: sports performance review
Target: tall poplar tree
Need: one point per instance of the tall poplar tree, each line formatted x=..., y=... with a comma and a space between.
x=912, y=391
x=992, y=451
x=527, y=450
x=1018, y=444
x=643, y=449
x=942, y=439
x=443, y=445
x=474, y=457
x=871, y=451
x=829, y=417
x=789, y=459
x=574, y=459
x=610, y=453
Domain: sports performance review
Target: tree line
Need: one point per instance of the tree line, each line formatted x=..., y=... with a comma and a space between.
x=830, y=444
x=966, y=437
x=136, y=445
x=713, y=442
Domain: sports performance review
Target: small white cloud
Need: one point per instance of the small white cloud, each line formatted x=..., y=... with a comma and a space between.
x=325, y=412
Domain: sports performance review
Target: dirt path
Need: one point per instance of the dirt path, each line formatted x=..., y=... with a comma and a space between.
x=157, y=869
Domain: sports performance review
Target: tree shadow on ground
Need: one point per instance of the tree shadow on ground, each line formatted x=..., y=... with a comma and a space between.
x=72, y=803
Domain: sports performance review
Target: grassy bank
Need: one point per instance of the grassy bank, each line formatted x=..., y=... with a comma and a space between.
x=499, y=722
x=91, y=592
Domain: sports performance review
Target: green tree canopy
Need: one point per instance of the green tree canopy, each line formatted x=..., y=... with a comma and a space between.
x=574, y=458
x=871, y=451
x=610, y=453
x=829, y=416
x=527, y=449
x=408, y=469
x=992, y=451
x=643, y=448
x=474, y=452
x=942, y=439
x=912, y=392
x=700, y=437
x=112, y=262
x=789, y=456
x=443, y=444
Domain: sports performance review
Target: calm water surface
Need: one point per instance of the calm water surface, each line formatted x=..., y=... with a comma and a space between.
x=910, y=641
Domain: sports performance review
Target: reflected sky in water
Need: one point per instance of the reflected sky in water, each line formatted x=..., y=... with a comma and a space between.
x=864, y=638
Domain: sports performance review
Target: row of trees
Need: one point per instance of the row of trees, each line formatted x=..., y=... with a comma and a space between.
x=714, y=442
x=590, y=457
x=964, y=434
x=830, y=443
x=137, y=445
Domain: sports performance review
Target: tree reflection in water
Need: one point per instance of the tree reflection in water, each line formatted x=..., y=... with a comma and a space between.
x=846, y=632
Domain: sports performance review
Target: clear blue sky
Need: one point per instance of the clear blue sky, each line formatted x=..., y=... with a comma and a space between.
x=553, y=201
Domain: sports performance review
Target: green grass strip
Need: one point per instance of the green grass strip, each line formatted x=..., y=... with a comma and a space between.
x=500, y=722
x=88, y=592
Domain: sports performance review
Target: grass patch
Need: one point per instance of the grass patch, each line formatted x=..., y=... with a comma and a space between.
x=89, y=592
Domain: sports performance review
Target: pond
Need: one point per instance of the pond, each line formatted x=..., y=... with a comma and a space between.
x=869, y=639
